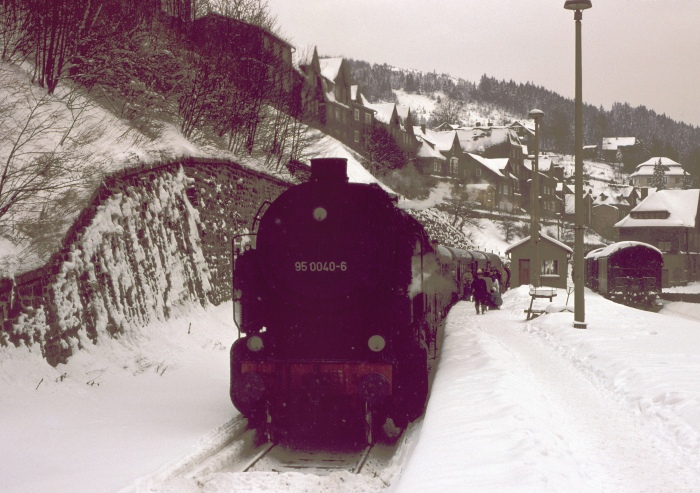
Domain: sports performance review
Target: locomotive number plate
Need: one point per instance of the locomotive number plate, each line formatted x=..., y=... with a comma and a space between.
x=331, y=266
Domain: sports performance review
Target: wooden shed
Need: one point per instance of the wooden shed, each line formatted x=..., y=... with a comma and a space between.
x=554, y=265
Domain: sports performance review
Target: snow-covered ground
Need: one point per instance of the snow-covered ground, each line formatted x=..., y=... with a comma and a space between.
x=516, y=405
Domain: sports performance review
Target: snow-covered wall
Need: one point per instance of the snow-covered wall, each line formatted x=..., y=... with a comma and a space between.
x=152, y=239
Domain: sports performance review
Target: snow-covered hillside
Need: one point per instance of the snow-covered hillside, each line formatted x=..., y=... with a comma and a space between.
x=423, y=106
x=88, y=135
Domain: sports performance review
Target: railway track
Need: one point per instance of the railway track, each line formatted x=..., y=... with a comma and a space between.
x=273, y=457
x=236, y=449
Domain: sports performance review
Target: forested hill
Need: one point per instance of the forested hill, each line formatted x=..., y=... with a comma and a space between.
x=660, y=135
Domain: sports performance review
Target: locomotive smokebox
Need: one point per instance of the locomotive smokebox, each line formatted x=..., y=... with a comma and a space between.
x=329, y=170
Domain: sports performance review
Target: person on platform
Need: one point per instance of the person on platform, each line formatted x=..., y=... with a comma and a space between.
x=480, y=292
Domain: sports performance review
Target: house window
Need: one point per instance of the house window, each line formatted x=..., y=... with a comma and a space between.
x=337, y=113
x=356, y=114
x=436, y=166
x=454, y=166
x=368, y=118
x=357, y=136
x=477, y=172
x=550, y=267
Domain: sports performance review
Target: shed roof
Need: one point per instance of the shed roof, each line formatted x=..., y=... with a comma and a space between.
x=558, y=243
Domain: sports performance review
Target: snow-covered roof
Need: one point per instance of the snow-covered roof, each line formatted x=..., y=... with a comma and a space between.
x=544, y=237
x=479, y=139
x=330, y=67
x=403, y=110
x=681, y=205
x=427, y=151
x=544, y=162
x=671, y=168
x=443, y=140
x=419, y=131
x=664, y=160
x=383, y=111
x=612, y=143
x=526, y=124
x=610, y=196
x=496, y=165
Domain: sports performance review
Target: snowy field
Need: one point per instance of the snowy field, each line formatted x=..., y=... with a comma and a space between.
x=516, y=405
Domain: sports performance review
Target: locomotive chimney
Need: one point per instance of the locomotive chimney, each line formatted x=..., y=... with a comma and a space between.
x=329, y=170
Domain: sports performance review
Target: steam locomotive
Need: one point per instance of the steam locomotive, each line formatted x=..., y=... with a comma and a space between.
x=628, y=272
x=338, y=296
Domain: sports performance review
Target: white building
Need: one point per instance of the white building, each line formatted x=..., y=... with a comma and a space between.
x=674, y=173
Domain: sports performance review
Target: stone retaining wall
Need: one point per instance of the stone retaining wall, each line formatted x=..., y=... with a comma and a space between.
x=151, y=239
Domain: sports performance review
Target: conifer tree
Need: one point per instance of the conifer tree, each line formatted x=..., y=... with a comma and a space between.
x=657, y=180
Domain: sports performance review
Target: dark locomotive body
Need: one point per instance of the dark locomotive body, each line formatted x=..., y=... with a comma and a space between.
x=338, y=300
x=627, y=272
x=338, y=303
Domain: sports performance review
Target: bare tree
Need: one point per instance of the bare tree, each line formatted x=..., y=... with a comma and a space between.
x=41, y=161
x=255, y=12
x=459, y=205
x=14, y=30
x=508, y=227
x=448, y=110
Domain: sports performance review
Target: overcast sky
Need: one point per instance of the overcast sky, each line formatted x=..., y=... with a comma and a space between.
x=644, y=52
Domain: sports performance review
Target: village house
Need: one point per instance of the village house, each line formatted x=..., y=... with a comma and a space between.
x=549, y=175
x=612, y=205
x=398, y=121
x=674, y=174
x=260, y=57
x=614, y=149
x=568, y=212
x=447, y=144
x=490, y=181
x=429, y=158
x=488, y=170
x=525, y=130
x=334, y=102
x=670, y=221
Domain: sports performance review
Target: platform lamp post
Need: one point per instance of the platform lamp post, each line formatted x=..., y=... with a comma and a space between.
x=579, y=304
x=535, y=269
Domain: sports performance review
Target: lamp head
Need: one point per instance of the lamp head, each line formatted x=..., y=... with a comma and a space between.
x=577, y=4
x=536, y=114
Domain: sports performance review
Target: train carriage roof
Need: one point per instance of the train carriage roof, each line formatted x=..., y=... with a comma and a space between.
x=460, y=254
x=620, y=246
x=493, y=258
x=479, y=255
x=444, y=252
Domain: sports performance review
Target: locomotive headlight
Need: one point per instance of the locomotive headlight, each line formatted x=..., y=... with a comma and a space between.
x=320, y=213
x=376, y=343
x=254, y=343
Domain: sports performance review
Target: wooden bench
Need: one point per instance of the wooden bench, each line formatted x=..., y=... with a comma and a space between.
x=539, y=292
